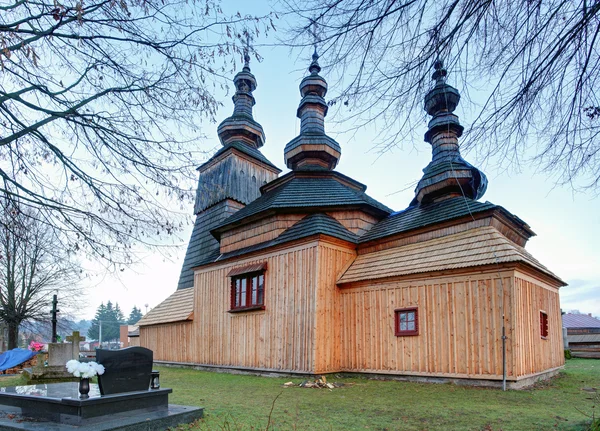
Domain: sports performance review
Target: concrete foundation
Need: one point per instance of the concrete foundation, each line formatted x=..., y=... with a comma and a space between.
x=515, y=384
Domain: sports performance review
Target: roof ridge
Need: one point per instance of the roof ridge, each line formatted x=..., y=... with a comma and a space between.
x=305, y=192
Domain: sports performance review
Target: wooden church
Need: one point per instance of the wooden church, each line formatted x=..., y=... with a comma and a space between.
x=305, y=273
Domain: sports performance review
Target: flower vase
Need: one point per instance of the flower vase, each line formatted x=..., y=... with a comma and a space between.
x=84, y=388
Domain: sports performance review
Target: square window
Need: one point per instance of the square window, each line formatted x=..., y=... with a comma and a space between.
x=407, y=322
x=543, y=325
x=248, y=291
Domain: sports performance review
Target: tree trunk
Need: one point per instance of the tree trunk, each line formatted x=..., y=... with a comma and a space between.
x=13, y=335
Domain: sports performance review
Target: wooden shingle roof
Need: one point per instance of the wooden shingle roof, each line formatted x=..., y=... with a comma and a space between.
x=317, y=224
x=246, y=149
x=203, y=247
x=176, y=308
x=474, y=247
x=424, y=215
x=301, y=191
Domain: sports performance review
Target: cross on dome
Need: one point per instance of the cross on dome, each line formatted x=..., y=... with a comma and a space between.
x=448, y=174
x=312, y=149
x=241, y=127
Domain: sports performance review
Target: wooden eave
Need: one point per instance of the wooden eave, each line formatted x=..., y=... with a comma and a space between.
x=178, y=307
x=472, y=270
x=477, y=247
x=518, y=224
x=532, y=271
x=232, y=150
x=276, y=247
x=498, y=213
x=216, y=233
x=189, y=318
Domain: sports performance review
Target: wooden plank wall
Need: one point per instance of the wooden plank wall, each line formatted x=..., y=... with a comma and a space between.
x=270, y=228
x=258, y=232
x=234, y=175
x=332, y=260
x=426, y=235
x=460, y=320
x=169, y=342
x=534, y=353
x=281, y=337
x=357, y=222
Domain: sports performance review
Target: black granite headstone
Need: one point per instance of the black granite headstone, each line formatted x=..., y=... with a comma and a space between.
x=126, y=370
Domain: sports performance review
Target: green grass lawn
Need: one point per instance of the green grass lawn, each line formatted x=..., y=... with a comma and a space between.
x=236, y=402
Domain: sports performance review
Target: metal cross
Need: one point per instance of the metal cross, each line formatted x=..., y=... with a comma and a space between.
x=247, y=48
x=314, y=32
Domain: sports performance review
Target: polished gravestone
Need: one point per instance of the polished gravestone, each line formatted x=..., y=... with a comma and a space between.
x=118, y=406
x=125, y=370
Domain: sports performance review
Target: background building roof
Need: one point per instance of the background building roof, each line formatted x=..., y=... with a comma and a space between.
x=580, y=321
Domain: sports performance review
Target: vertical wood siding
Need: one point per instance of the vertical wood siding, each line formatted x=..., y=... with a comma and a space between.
x=281, y=337
x=257, y=232
x=460, y=322
x=310, y=325
x=357, y=222
x=170, y=342
x=534, y=353
x=331, y=261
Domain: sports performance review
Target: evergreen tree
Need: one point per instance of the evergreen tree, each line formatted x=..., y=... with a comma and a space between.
x=134, y=316
x=119, y=314
x=110, y=325
x=94, y=331
x=111, y=317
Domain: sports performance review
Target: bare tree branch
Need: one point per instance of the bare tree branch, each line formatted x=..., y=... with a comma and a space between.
x=101, y=105
x=536, y=64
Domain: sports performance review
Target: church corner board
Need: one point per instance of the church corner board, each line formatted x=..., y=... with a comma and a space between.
x=306, y=273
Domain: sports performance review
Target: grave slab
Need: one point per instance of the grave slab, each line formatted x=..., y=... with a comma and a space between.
x=57, y=407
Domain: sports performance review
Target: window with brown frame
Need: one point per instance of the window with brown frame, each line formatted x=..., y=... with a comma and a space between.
x=407, y=321
x=248, y=291
x=543, y=325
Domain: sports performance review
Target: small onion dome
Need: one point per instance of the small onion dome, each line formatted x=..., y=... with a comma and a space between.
x=440, y=103
x=241, y=127
x=448, y=174
x=312, y=149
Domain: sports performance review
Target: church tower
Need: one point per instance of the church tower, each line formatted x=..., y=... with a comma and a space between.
x=448, y=175
x=312, y=149
x=231, y=178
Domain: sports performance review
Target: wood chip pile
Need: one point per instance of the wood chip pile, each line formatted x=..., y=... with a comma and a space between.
x=320, y=383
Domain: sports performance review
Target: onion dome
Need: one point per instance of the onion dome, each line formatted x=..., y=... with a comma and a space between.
x=241, y=127
x=312, y=149
x=448, y=174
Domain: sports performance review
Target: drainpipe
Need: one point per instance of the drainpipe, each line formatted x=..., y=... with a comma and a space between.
x=503, y=355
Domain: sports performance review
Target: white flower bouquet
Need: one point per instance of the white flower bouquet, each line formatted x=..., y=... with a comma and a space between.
x=84, y=370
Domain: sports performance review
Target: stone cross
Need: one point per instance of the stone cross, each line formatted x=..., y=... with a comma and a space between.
x=75, y=339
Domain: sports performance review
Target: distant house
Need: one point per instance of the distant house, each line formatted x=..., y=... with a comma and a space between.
x=583, y=335
x=129, y=335
x=305, y=273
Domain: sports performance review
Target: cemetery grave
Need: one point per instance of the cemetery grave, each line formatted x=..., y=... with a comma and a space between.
x=122, y=400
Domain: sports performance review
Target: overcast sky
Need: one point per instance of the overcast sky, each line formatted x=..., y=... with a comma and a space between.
x=567, y=224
